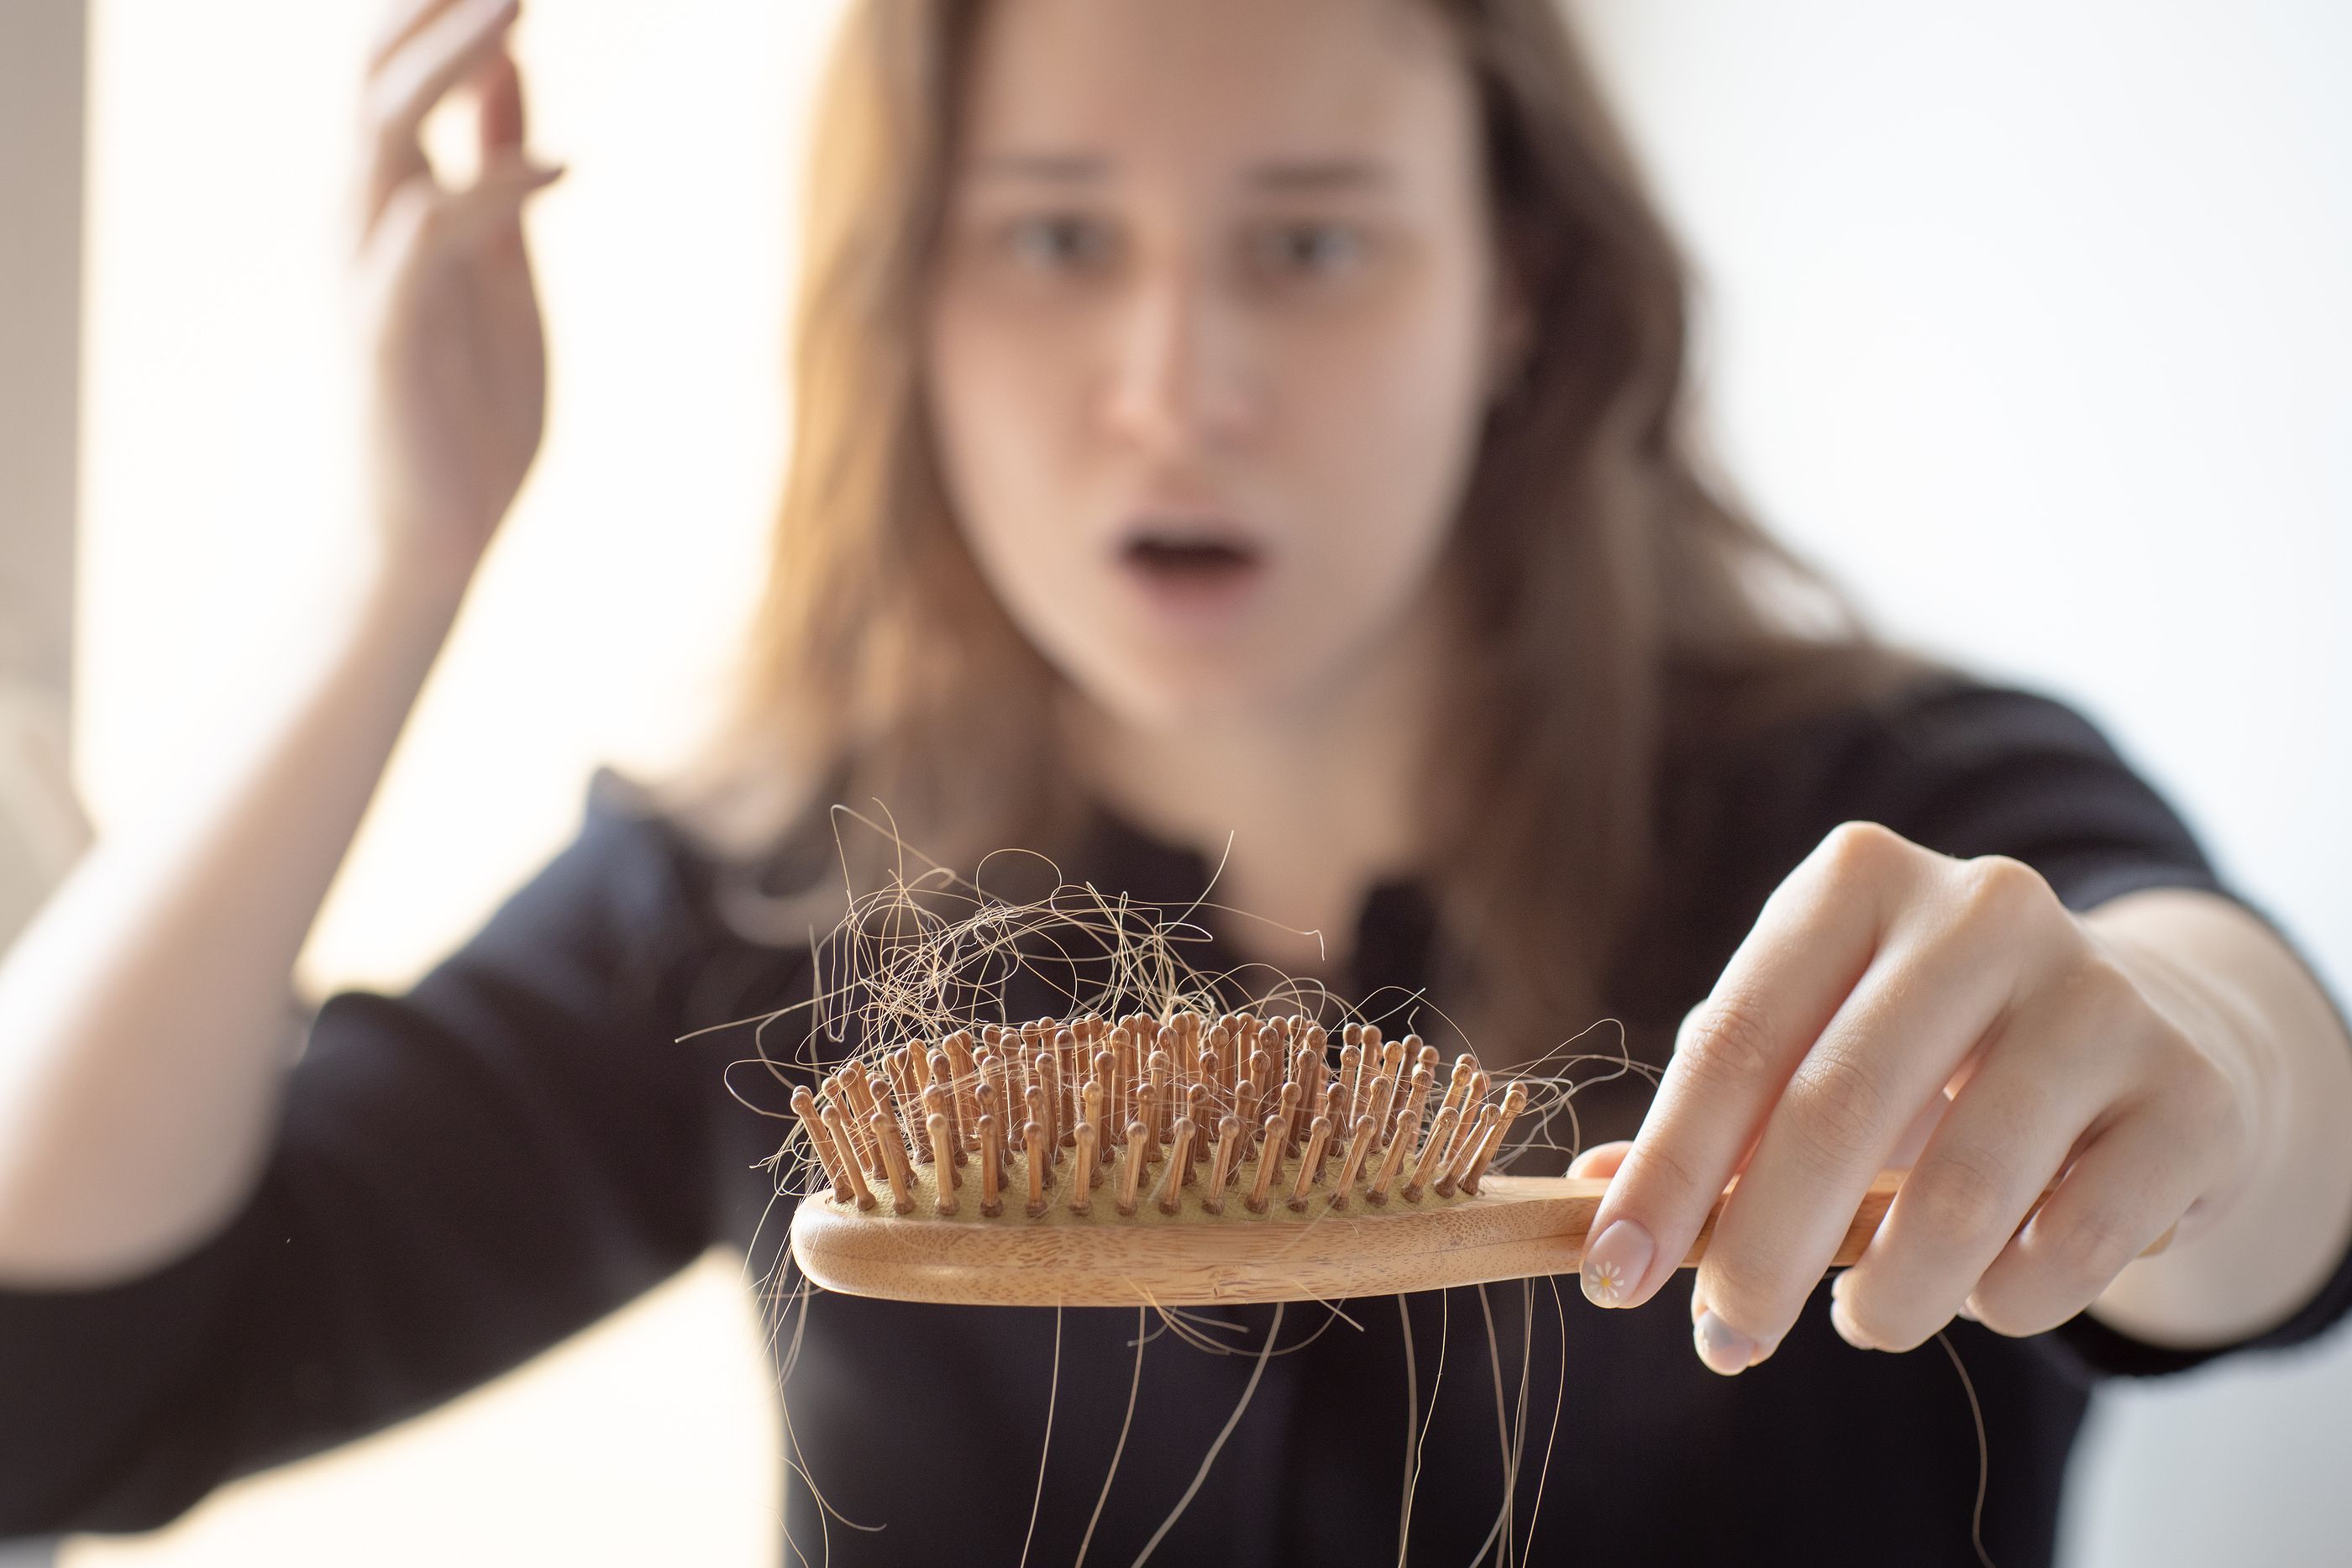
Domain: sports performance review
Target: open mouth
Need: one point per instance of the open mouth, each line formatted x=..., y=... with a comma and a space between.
x=1194, y=568
x=1200, y=560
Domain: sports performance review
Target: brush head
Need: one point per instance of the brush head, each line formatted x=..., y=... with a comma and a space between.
x=1185, y=1158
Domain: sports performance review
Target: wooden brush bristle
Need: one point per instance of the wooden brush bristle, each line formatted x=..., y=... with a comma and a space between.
x=1178, y=1117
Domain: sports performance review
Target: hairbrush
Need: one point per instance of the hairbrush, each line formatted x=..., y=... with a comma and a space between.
x=1183, y=1160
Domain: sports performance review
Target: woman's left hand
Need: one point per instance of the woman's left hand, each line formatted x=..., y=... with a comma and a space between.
x=1890, y=994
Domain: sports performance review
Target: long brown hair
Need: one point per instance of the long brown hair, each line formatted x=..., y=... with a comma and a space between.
x=1616, y=601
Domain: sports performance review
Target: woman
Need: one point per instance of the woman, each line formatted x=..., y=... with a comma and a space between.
x=1215, y=419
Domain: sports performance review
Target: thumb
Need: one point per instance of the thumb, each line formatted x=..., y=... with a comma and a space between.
x=492, y=199
x=1600, y=1161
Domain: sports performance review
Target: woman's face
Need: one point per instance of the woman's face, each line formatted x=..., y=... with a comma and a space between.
x=1213, y=328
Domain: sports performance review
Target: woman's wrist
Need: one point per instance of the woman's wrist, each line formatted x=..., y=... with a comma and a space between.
x=2212, y=1012
x=399, y=577
x=2257, y=1247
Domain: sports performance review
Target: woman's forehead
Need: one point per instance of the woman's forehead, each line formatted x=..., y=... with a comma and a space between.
x=1347, y=92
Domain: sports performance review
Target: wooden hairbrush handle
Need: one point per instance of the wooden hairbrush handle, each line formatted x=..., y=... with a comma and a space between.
x=1513, y=1228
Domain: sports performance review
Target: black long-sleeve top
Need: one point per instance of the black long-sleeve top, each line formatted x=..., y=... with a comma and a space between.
x=468, y=1173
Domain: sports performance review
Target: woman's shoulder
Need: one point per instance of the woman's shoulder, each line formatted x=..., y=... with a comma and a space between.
x=1942, y=717
x=742, y=865
x=1843, y=707
x=628, y=872
x=630, y=912
x=1956, y=761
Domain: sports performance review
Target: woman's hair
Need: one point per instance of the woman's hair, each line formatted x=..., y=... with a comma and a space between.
x=1623, y=616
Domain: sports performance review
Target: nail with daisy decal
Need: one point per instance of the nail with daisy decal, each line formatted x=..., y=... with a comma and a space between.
x=1615, y=1262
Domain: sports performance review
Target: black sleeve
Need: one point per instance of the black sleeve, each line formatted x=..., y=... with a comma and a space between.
x=1972, y=770
x=462, y=1175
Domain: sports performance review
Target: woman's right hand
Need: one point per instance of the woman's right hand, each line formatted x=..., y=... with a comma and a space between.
x=455, y=387
x=143, y=1013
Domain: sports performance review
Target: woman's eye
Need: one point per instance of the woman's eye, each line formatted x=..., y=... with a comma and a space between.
x=1306, y=249
x=1057, y=242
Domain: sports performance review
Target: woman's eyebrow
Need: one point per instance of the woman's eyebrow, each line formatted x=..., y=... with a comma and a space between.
x=1317, y=174
x=1057, y=168
x=1289, y=175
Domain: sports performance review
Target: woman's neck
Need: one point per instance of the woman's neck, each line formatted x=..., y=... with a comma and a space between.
x=1317, y=800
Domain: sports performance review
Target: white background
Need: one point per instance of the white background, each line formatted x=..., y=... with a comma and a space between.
x=2029, y=321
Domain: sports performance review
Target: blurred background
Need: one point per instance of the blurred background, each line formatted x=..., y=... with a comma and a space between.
x=2029, y=321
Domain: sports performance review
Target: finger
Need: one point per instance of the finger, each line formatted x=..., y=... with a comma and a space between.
x=499, y=127
x=1971, y=948
x=2129, y=1185
x=402, y=20
x=443, y=53
x=2003, y=1141
x=1907, y=1150
x=422, y=222
x=452, y=44
x=493, y=204
x=1926, y=1005
x=1815, y=939
x=499, y=124
x=1600, y=1162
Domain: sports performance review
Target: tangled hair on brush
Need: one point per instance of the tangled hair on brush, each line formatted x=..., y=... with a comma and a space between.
x=922, y=969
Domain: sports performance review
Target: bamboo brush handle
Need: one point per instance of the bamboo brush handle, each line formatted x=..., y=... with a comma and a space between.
x=1513, y=1227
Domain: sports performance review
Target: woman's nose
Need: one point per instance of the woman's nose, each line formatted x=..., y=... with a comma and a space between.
x=1179, y=379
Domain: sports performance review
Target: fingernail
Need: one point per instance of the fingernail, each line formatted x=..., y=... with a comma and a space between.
x=1724, y=1348
x=1842, y=1321
x=1615, y=1262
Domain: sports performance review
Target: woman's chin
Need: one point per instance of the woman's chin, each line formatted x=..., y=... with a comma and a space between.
x=1175, y=694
